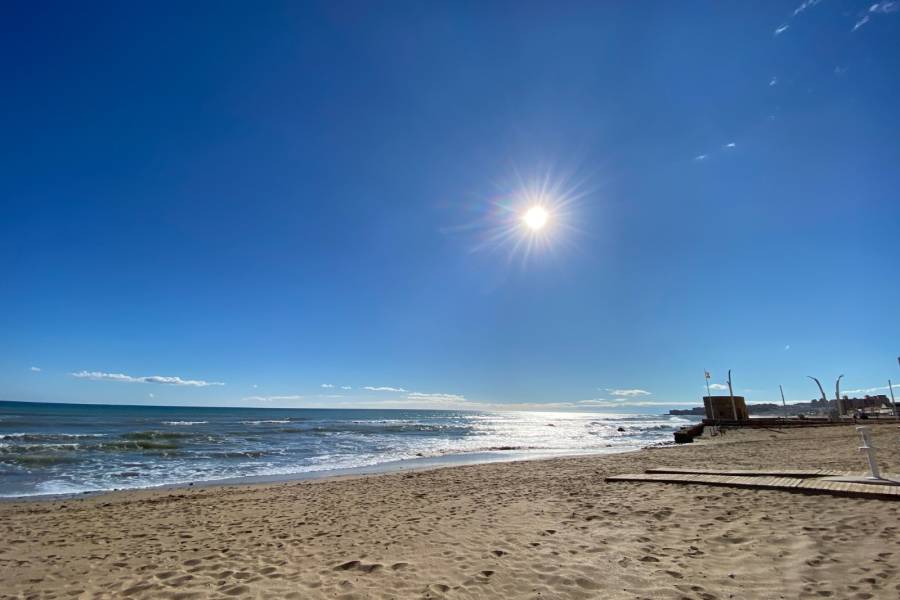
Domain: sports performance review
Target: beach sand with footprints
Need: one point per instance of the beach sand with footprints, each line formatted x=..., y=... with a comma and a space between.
x=539, y=529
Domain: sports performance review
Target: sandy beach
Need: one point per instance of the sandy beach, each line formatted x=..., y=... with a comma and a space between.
x=534, y=529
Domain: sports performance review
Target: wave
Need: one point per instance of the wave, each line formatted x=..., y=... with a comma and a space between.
x=26, y=448
x=38, y=460
x=155, y=435
x=40, y=437
x=184, y=422
x=136, y=445
x=267, y=422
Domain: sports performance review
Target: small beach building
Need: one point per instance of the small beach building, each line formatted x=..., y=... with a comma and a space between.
x=720, y=408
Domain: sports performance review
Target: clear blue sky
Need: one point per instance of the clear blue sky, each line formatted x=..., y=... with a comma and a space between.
x=280, y=196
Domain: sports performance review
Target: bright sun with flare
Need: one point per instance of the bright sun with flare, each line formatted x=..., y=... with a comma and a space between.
x=535, y=218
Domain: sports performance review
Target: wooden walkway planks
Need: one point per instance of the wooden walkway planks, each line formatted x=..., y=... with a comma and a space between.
x=788, y=484
x=751, y=472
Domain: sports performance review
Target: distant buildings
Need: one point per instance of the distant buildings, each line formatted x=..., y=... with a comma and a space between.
x=720, y=407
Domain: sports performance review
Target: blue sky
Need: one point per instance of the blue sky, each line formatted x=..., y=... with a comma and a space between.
x=226, y=204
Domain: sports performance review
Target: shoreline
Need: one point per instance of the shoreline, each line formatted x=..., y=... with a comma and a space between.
x=399, y=466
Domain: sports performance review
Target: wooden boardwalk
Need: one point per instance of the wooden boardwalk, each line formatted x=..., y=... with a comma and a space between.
x=801, y=474
x=760, y=481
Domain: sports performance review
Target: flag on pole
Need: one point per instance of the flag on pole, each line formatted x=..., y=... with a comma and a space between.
x=706, y=374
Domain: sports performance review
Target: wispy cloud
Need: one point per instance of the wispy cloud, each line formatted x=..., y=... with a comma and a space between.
x=879, y=8
x=730, y=145
x=628, y=393
x=35, y=369
x=885, y=7
x=436, y=397
x=624, y=403
x=383, y=388
x=861, y=22
x=327, y=385
x=701, y=157
x=807, y=4
x=803, y=7
x=272, y=398
x=160, y=379
x=773, y=82
x=346, y=387
x=718, y=386
x=872, y=390
x=787, y=346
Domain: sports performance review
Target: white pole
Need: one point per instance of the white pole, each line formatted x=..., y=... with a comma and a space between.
x=894, y=402
x=869, y=449
x=731, y=393
x=783, y=404
x=837, y=397
x=708, y=394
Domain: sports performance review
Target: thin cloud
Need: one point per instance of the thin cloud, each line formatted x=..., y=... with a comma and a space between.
x=701, y=157
x=160, y=379
x=346, y=387
x=629, y=393
x=861, y=22
x=383, y=388
x=879, y=8
x=787, y=346
x=271, y=398
x=773, y=82
x=872, y=390
x=718, y=386
x=730, y=145
x=622, y=403
x=438, y=397
x=804, y=6
x=35, y=369
x=327, y=385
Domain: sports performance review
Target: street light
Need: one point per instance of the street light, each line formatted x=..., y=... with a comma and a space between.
x=837, y=396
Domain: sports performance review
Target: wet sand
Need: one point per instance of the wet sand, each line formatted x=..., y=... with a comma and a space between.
x=536, y=529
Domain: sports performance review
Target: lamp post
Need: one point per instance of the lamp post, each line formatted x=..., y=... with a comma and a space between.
x=731, y=394
x=783, y=404
x=821, y=389
x=894, y=402
x=837, y=396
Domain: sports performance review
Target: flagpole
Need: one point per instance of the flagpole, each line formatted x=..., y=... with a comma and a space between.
x=706, y=376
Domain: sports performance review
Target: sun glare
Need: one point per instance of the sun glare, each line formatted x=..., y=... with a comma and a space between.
x=535, y=218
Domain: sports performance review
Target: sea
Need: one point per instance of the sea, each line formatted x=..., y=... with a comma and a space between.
x=53, y=449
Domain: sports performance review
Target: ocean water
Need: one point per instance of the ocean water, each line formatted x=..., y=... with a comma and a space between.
x=74, y=448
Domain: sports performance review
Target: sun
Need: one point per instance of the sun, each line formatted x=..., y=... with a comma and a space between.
x=536, y=218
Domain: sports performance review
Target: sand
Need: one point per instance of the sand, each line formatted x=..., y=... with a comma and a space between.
x=537, y=529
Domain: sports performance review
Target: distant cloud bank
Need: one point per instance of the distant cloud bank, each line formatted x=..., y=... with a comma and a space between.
x=383, y=388
x=628, y=393
x=160, y=379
